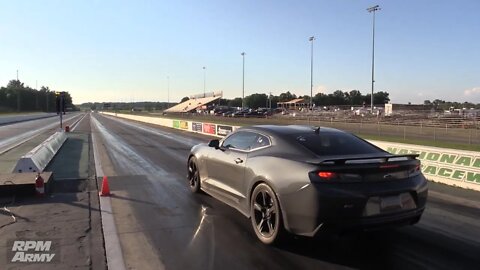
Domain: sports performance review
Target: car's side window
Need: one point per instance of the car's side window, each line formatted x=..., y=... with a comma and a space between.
x=241, y=140
x=260, y=141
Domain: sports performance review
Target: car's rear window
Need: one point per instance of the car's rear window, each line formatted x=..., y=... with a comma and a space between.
x=335, y=143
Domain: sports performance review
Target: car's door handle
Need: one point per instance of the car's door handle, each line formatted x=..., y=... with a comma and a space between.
x=238, y=160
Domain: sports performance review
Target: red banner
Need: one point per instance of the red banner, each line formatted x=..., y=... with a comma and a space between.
x=209, y=128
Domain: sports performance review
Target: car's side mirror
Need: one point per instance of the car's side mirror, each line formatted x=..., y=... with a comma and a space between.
x=214, y=143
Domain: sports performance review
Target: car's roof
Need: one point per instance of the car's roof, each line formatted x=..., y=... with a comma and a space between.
x=283, y=130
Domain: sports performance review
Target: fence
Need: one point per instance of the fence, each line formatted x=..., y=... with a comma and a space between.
x=458, y=131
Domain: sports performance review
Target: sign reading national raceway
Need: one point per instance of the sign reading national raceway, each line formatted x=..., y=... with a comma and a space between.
x=33, y=251
x=448, y=166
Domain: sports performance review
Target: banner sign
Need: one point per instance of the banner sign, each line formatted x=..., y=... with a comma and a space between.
x=176, y=124
x=209, y=128
x=224, y=130
x=449, y=166
x=183, y=124
x=197, y=126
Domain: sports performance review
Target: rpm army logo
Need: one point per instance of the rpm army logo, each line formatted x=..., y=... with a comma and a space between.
x=33, y=251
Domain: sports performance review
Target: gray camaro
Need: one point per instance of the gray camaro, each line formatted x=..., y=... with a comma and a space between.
x=302, y=179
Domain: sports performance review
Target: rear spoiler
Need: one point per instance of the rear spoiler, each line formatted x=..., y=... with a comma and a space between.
x=343, y=160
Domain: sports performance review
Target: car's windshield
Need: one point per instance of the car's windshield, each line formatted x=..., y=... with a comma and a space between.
x=335, y=143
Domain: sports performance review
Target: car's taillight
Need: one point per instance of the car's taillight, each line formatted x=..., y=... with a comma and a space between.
x=389, y=166
x=415, y=170
x=327, y=175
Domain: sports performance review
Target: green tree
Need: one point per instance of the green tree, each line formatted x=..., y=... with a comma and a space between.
x=380, y=98
x=256, y=100
x=320, y=99
x=18, y=97
x=236, y=102
x=338, y=98
x=355, y=97
x=286, y=96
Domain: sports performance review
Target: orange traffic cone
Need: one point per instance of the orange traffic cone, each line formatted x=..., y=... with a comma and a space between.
x=39, y=186
x=105, y=188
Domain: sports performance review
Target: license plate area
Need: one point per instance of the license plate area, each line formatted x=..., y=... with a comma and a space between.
x=389, y=204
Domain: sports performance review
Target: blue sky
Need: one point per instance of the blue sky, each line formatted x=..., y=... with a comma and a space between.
x=124, y=50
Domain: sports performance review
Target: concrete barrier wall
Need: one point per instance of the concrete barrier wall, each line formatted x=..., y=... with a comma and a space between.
x=449, y=166
x=38, y=158
x=212, y=129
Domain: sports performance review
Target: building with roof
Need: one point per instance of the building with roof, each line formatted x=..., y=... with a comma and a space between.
x=293, y=104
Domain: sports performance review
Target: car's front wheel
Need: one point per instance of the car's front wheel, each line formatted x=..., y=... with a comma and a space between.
x=193, y=175
x=266, y=215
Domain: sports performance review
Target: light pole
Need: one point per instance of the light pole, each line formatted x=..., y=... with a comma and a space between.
x=36, y=95
x=311, y=39
x=47, y=92
x=373, y=9
x=270, y=100
x=243, y=80
x=204, y=79
x=168, y=91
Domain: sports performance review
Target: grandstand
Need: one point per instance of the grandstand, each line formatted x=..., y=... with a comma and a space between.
x=293, y=104
x=195, y=102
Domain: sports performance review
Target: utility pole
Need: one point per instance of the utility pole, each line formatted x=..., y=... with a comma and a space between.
x=373, y=9
x=168, y=92
x=311, y=39
x=46, y=97
x=204, y=79
x=36, y=95
x=270, y=100
x=243, y=81
x=18, y=94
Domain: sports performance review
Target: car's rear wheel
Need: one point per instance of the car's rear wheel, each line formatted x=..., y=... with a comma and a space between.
x=193, y=175
x=266, y=214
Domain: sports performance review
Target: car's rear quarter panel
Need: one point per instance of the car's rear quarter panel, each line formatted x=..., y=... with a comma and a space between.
x=288, y=178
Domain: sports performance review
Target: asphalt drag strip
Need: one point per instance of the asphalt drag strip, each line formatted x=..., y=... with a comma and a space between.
x=162, y=225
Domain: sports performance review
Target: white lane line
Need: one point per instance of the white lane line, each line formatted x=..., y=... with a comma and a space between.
x=75, y=125
x=113, y=250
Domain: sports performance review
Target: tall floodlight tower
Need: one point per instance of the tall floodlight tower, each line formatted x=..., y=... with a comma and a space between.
x=204, y=79
x=168, y=92
x=243, y=80
x=373, y=10
x=311, y=39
